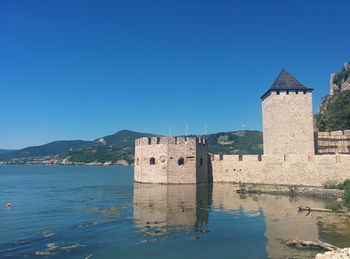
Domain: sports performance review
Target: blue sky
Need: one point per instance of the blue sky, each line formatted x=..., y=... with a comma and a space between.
x=85, y=69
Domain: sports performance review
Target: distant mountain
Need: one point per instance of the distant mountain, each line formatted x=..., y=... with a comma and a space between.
x=119, y=146
x=236, y=142
x=50, y=149
x=2, y=151
x=121, y=138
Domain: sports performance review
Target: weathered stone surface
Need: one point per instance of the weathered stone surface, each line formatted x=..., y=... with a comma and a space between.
x=171, y=160
x=288, y=123
x=313, y=170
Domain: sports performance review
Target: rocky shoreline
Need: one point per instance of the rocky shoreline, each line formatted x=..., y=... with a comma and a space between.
x=290, y=190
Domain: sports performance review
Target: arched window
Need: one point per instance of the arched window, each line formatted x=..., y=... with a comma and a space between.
x=201, y=161
x=181, y=161
x=152, y=161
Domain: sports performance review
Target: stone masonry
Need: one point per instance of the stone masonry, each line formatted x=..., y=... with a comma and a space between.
x=289, y=156
x=334, y=142
x=288, y=123
x=171, y=160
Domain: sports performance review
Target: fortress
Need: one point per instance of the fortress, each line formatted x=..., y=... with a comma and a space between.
x=289, y=149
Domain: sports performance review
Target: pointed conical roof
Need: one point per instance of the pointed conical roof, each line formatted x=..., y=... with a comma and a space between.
x=284, y=82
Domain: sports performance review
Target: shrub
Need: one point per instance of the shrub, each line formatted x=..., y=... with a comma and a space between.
x=334, y=206
x=331, y=184
x=345, y=185
x=346, y=195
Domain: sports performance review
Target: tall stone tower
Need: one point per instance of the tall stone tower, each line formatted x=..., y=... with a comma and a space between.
x=287, y=117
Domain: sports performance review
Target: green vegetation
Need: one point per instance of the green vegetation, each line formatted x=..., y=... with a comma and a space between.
x=335, y=206
x=236, y=142
x=119, y=146
x=331, y=184
x=100, y=154
x=334, y=112
x=341, y=76
x=341, y=186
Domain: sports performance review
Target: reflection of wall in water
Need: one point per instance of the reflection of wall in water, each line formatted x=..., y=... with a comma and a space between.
x=283, y=221
x=171, y=206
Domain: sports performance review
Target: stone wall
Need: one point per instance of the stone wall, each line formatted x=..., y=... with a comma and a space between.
x=171, y=160
x=288, y=123
x=335, y=142
x=310, y=170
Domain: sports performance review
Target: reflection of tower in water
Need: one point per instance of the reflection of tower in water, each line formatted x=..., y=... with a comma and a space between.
x=160, y=209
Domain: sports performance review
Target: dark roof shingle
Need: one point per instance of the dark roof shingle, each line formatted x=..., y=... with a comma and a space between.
x=286, y=81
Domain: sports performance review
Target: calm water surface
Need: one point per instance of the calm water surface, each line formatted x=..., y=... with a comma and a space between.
x=98, y=212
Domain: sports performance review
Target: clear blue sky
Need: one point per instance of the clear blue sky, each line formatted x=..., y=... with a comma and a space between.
x=84, y=69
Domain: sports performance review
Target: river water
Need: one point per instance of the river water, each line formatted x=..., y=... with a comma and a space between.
x=98, y=212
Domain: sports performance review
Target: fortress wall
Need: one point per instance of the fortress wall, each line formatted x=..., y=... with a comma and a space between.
x=334, y=142
x=288, y=123
x=281, y=169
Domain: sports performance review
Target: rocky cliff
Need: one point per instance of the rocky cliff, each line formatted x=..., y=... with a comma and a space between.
x=340, y=81
x=334, y=111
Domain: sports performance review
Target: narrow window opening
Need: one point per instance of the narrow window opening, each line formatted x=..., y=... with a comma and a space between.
x=259, y=157
x=240, y=158
x=137, y=161
x=201, y=161
x=158, y=140
x=149, y=141
x=152, y=161
x=278, y=92
x=304, y=92
x=181, y=161
x=296, y=92
x=287, y=92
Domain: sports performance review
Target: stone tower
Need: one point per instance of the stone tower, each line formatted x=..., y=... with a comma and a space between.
x=287, y=117
x=171, y=160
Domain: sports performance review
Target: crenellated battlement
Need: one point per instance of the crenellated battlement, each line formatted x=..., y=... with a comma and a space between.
x=289, y=148
x=284, y=92
x=170, y=141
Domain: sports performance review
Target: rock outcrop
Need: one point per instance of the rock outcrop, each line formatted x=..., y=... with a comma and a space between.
x=340, y=81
